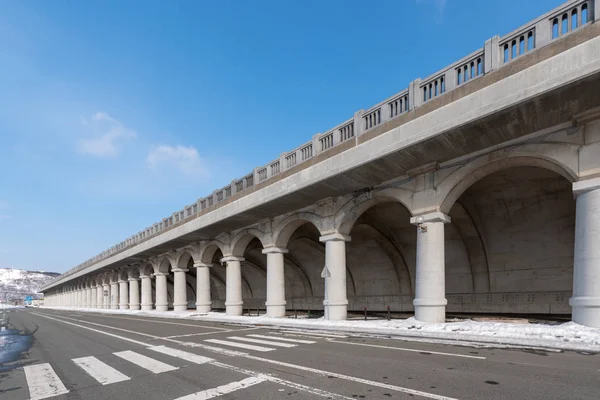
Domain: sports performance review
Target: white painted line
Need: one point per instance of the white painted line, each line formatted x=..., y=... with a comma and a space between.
x=148, y=363
x=329, y=335
x=194, y=334
x=43, y=381
x=267, y=342
x=98, y=331
x=184, y=355
x=279, y=381
x=223, y=389
x=154, y=320
x=285, y=339
x=240, y=345
x=412, y=350
x=353, y=379
x=100, y=371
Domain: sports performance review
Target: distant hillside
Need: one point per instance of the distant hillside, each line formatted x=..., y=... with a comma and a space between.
x=16, y=284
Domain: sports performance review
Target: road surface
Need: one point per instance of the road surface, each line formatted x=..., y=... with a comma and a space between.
x=73, y=355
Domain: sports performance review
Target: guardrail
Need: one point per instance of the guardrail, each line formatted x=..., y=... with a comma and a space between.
x=496, y=53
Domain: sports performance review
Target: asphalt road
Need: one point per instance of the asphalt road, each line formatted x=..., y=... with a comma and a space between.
x=71, y=355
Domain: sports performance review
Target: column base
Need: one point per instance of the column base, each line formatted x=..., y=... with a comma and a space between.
x=234, y=309
x=162, y=307
x=203, y=308
x=336, y=312
x=430, y=310
x=180, y=307
x=276, y=311
x=114, y=307
x=586, y=311
x=123, y=306
x=146, y=307
x=134, y=306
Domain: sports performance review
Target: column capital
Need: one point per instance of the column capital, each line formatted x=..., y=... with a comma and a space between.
x=133, y=279
x=179, y=269
x=200, y=264
x=335, y=237
x=122, y=281
x=146, y=276
x=274, y=249
x=587, y=185
x=232, y=258
x=430, y=217
x=161, y=274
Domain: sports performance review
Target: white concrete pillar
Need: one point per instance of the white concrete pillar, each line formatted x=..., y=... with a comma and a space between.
x=89, y=297
x=275, y=282
x=233, y=296
x=106, y=296
x=430, y=290
x=146, y=292
x=203, y=297
x=162, y=300
x=334, y=272
x=123, y=294
x=114, y=295
x=93, y=303
x=134, y=294
x=586, y=267
x=99, y=296
x=179, y=289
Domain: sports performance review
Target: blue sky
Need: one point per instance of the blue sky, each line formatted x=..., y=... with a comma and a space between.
x=115, y=114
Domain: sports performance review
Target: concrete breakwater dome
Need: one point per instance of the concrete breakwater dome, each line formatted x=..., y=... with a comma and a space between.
x=476, y=189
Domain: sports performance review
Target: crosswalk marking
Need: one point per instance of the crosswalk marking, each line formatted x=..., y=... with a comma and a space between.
x=43, y=381
x=223, y=389
x=267, y=342
x=240, y=345
x=148, y=363
x=301, y=333
x=284, y=339
x=100, y=371
x=184, y=355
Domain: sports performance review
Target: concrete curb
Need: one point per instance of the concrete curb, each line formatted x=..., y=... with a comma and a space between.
x=447, y=337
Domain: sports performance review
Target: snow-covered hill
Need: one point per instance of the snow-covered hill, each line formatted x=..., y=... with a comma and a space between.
x=15, y=284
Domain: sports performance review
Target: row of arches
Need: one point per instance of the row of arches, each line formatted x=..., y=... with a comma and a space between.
x=507, y=239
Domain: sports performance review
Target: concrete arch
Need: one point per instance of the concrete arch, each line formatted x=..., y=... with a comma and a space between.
x=240, y=242
x=560, y=158
x=208, y=251
x=184, y=259
x=347, y=215
x=286, y=228
x=163, y=265
x=146, y=269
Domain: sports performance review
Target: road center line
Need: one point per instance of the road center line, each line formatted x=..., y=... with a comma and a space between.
x=155, y=320
x=411, y=350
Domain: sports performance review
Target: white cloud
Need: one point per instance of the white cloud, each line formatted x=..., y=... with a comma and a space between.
x=185, y=159
x=439, y=5
x=109, y=136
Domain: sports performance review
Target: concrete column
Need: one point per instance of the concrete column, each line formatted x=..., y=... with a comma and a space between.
x=233, y=295
x=179, y=290
x=106, y=299
x=134, y=294
x=275, y=282
x=203, y=298
x=99, y=296
x=162, y=302
x=146, y=292
x=334, y=272
x=430, y=291
x=114, y=295
x=586, y=267
x=89, y=297
x=123, y=295
x=93, y=303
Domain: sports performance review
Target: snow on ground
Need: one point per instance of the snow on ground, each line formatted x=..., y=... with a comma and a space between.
x=566, y=336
